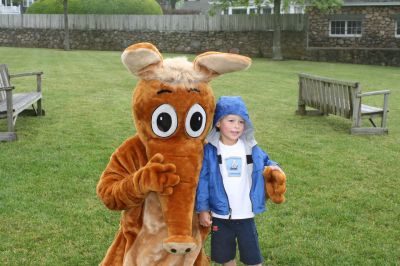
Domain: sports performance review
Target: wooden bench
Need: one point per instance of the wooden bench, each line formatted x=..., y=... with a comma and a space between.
x=341, y=98
x=13, y=104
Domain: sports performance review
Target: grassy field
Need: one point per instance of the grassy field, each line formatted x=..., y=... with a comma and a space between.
x=343, y=200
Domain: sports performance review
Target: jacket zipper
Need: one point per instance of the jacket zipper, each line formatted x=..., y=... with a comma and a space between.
x=227, y=199
x=226, y=194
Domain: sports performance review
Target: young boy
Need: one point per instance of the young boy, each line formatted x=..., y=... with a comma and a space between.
x=231, y=188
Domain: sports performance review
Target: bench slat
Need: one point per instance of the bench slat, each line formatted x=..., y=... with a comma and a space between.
x=342, y=100
x=336, y=101
x=346, y=92
x=369, y=110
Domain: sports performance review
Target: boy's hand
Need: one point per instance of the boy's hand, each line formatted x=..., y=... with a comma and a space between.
x=205, y=219
x=275, y=183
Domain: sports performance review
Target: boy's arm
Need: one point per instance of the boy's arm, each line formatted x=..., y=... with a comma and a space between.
x=268, y=161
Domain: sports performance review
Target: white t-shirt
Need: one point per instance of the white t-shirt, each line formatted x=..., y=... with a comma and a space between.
x=236, y=181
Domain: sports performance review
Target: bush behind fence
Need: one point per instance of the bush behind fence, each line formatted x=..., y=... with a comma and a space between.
x=290, y=22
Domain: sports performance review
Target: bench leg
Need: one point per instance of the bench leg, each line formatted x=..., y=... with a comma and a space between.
x=8, y=136
x=301, y=109
x=10, y=122
x=383, y=121
x=39, y=108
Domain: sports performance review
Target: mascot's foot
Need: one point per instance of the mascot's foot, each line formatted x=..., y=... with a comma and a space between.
x=179, y=244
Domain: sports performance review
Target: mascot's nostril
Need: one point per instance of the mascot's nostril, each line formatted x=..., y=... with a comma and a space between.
x=173, y=250
x=187, y=250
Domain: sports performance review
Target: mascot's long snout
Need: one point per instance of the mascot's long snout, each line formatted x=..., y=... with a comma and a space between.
x=178, y=207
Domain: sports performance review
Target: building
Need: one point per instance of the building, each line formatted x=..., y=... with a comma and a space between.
x=8, y=7
x=359, y=31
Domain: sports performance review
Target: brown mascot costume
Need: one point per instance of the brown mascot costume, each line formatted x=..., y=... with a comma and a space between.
x=152, y=177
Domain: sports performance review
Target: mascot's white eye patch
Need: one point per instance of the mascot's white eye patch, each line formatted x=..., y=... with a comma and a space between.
x=164, y=121
x=195, y=121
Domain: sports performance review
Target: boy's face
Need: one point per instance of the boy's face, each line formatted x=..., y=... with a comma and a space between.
x=231, y=128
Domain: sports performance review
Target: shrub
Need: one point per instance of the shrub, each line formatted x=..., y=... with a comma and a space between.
x=145, y=7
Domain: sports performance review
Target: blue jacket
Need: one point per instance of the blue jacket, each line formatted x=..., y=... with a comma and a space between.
x=211, y=194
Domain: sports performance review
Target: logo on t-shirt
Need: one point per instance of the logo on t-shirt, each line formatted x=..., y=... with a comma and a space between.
x=233, y=166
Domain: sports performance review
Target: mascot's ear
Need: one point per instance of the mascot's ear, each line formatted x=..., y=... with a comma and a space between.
x=215, y=63
x=141, y=57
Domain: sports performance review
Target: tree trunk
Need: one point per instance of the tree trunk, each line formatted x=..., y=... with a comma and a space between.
x=276, y=42
x=66, y=30
x=173, y=4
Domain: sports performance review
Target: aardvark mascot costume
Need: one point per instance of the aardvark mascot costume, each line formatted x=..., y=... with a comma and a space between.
x=152, y=177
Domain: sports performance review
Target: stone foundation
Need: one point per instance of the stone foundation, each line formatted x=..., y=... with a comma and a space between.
x=356, y=56
x=250, y=43
x=255, y=44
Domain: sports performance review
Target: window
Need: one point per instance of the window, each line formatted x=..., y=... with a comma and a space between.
x=397, y=32
x=338, y=27
x=252, y=10
x=266, y=10
x=345, y=28
x=239, y=10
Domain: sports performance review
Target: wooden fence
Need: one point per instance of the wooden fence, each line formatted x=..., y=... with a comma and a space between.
x=290, y=22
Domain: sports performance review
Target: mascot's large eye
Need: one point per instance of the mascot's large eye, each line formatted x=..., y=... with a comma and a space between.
x=164, y=121
x=195, y=121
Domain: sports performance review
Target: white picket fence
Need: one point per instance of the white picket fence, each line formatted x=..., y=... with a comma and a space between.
x=290, y=22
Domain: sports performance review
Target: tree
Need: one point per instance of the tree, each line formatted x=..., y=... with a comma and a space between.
x=276, y=38
x=173, y=3
x=66, y=28
x=323, y=5
x=114, y=7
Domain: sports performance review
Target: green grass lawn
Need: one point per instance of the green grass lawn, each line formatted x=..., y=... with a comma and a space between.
x=343, y=203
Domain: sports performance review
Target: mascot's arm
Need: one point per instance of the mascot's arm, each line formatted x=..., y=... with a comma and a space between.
x=275, y=183
x=129, y=176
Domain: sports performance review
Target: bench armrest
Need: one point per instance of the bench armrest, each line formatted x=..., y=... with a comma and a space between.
x=26, y=74
x=373, y=93
x=38, y=75
x=6, y=88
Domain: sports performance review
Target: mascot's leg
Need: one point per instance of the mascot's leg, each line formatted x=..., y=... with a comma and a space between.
x=131, y=223
x=202, y=259
x=115, y=253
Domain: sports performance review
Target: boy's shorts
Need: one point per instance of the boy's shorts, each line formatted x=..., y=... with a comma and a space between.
x=224, y=234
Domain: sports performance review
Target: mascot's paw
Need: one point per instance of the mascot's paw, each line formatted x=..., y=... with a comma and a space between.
x=155, y=176
x=275, y=184
x=179, y=244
